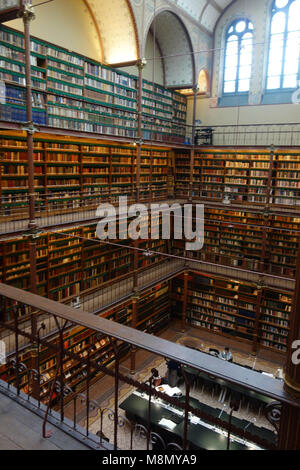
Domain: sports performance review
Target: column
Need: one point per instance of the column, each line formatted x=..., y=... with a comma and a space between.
x=289, y=432
x=135, y=304
x=184, y=303
x=28, y=16
x=190, y=195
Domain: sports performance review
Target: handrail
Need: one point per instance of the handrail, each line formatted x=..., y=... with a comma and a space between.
x=213, y=366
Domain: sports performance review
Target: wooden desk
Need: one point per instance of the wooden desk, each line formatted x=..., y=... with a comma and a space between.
x=250, y=394
x=199, y=435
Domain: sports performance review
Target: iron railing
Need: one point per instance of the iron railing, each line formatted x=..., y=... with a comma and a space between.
x=24, y=372
x=281, y=134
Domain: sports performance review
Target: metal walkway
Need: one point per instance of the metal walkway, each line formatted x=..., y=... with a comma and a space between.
x=21, y=429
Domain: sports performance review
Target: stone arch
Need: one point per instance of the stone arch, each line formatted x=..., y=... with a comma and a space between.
x=176, y=47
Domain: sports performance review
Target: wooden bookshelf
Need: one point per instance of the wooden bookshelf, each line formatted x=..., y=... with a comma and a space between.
x=73, y=92
x=154, y=309
x=246, y=176
x=153, y=315
x=230, y=308
x=71, y=175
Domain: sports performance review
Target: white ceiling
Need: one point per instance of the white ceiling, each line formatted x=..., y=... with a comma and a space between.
x=207, y=12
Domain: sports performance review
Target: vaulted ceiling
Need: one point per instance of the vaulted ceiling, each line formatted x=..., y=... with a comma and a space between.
x=207, y=12
x=115, y=21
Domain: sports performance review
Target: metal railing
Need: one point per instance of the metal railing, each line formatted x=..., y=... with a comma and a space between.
x=24, y=372
x=281, y=134
x=67, y=209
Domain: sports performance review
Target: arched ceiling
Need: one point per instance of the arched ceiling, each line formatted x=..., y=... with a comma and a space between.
x=176, y=49
x=206, y=12
x=117, y=31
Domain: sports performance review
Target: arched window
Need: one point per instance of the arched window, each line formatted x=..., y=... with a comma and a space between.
x=238, y=57
x=284, y=48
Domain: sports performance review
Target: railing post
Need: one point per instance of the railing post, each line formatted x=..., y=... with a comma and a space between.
x=135, y=305
x=116, y=403
x=184, y=303
x=289, y=435
x=15, y=313
x=154, y=374
x=186, y=411
x=234, y=407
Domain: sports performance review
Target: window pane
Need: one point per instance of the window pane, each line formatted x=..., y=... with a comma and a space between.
x=232, y=44
x=284, y=45
x=273, y=83
x=278, y=23
x=245, y=71
x=290, y=81
x=231, y=59
x=239, y=50
x=277, y=42
x=294, y=16
x=230, y=73
x=275, y=60
x=244, y=85
x=290, y=67
x=281, y=3
x=246, y=49
x=229, y=87
x=293, y=49
x=275, y=68
x=240, y=26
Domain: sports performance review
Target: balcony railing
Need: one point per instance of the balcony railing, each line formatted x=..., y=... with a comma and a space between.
x=281, y=134
x=24, y=376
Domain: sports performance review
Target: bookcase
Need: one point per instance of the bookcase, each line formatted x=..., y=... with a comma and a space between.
x=72, y=261
x=73, y=92
x=82, y=342
x=274, y=319
x=182, y=173
x=256, y=233
x=70, y=175
x=123, y=162
x=244, y=176
x=154, y=309
x=232, y=309
x=153, y=315
x=246, y=239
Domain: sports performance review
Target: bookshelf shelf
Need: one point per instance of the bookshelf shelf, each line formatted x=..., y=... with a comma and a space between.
x=80, y=94
x=229, y=308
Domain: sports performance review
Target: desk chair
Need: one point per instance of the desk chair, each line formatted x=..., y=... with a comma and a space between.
x=214, y=352
x=100, y=433
x=160, y=444
x=157, y=442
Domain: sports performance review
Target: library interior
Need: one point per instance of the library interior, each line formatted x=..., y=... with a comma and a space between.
x=117, y=330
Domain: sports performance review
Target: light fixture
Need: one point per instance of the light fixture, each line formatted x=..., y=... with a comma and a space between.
x=226, y=200
x=148, y=252
x=143, y=62
x=138, y=142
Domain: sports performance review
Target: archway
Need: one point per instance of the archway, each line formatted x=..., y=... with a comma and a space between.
x=176, y=49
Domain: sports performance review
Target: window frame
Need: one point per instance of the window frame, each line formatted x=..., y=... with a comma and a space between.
x=240, y=38
x=281, y=88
